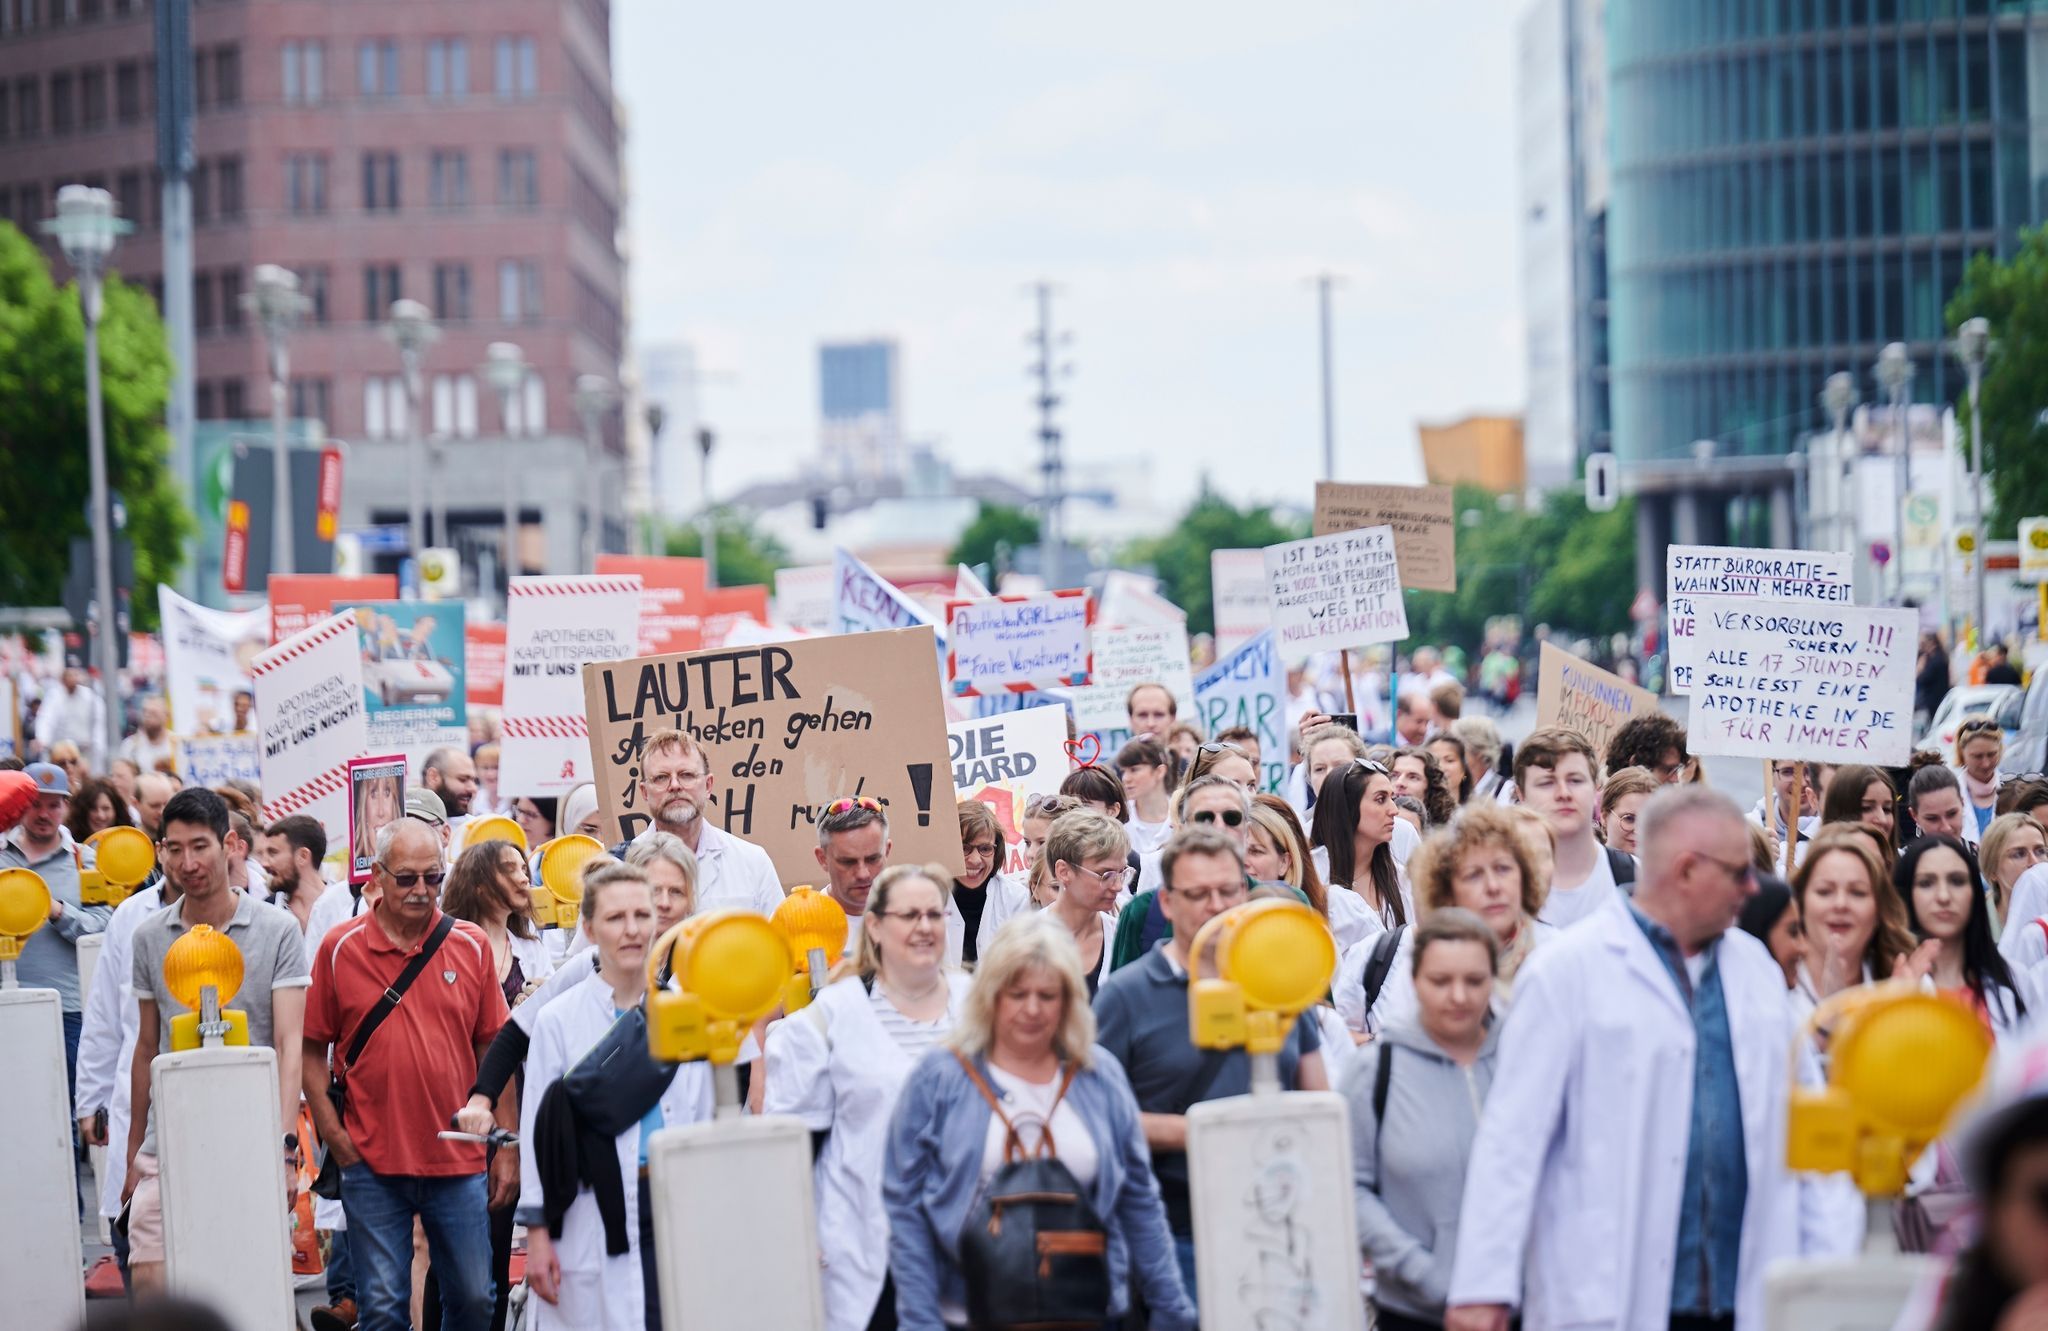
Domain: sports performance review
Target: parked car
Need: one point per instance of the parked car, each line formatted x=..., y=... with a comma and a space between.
x=2025, y=718
x=1960, y=705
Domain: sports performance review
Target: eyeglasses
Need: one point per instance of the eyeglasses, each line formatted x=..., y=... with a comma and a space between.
x=408, y=878
x=852, y=802
x=1741, y=871
x=1228, y=817
x=980, y=850
x=913, y=918
x=1122, y=877
x=671, y=780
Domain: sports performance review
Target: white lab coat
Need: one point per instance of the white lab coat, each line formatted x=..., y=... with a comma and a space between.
x=1576, y=1175
x=1007, y=897
x=599, y=1292
x=834, y=1066
x=106, y=1039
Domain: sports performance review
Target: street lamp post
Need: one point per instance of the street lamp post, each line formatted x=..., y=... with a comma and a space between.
x=1838, y=399
x=411, y=329
x=86, y=228
x=707, y=526
x=505, y=369
x=650, y=532
x=595, y=396
x=1973, y=348
x=277, y=304
x=1895, y=375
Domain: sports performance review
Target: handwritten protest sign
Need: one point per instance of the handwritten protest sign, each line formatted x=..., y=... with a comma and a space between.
x=1823, y=683
x=1579, y=695
x=863, y=601
x=207, y=654
x=1018, y=643
x=1815, y=577
x=483, y=663
x=1004, y=760
x=1425, y=528
x=1239, y=595
x=1125, y=657
x=299, y=599
x=309, y=705
x=209, y=760
x=786, y=729
x=553, y=626
x=1336, y=591
x=413, y=664
x=672, y=595
x=1249, y=688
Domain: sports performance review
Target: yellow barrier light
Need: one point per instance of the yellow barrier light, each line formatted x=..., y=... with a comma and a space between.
x=122, y=858
x=1253, y=970
x=730, y=967
x=497, y=827
x=561, y=873
x=24, y=908
x=204, y=958
x=815, y=926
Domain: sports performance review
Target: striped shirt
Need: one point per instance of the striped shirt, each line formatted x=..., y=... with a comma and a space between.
x=914, y=1038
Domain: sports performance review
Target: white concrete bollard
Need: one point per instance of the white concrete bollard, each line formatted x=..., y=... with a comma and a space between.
x=221, y=1155
x=751, y=1260
x=1276, y=1229
x=88, y=947
x=41, y=1259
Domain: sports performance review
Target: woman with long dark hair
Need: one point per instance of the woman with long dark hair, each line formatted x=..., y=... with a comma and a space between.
x=1354, y=825
x=1944, y=897
x=1866, y=795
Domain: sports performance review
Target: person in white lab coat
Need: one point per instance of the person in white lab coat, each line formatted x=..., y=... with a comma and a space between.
x=577, y=1283
x=985, y=897
x=840, y=1064
x=1629, y=1170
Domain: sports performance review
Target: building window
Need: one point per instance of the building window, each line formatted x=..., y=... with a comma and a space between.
x=231, y=407
x=454, y=406
x=203, y=405
x=518, y=178
x=201, y=183
x=227, y=76
x=451, y=292
x=231, y=298
x=518, y=290
x=128, y=91
x=448, y=178
x=128, y=195
x=305, y=73
x=384, y=407
x=380, y=288
x=310, y=399
x=228, y=186
x=202, y=96
x=516, y=68
x=305, y=182
x=380, y=182
x=377, y=68
x=28, y=107
x=313, y=286
x=447, y=68
x=202, y=303
x=533, y=406
x=63, y=107
x=92, y=97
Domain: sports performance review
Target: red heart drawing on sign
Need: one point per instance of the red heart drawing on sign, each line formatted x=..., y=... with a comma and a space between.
x=1085, y=750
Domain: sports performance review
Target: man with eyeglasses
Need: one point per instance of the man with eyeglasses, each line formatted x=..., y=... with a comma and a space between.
x=1141, y=1015
x=1618, y=1080
x=193, y=852
x=415, y=1070
x=676, y=786
x=1794, y=785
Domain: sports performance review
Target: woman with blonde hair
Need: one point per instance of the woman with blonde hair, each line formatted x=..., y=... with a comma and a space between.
x=1856, y=926
x=840, y=1064
x=1277, y=852
x=1021, y=1078
x=1085, y=855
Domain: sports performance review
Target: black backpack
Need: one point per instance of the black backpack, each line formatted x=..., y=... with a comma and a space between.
x=1623, y=866
x=1033, y=1250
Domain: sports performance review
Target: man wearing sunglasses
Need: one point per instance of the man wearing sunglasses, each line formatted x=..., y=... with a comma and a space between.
x=414, y=1071
x=193, y=853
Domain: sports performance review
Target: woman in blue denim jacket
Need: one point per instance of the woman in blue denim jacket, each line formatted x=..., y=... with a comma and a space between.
x=1026, y=1021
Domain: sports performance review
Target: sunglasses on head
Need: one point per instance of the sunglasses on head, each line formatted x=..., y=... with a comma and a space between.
x=1978, y=725
x=1377, y=769
x=852, y=802
x=1228, y=817
x=1219, y=746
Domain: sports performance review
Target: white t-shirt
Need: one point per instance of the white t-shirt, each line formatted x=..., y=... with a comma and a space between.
x=1147, y=838
x=1566, y=906
x=1026, y=1102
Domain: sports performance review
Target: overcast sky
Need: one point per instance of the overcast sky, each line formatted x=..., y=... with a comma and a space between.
x=814, y=170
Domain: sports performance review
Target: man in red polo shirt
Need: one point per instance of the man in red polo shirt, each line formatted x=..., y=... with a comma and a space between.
x=415, y=1071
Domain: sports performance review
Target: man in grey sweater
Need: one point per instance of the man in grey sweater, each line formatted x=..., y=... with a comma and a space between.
x=49, y=957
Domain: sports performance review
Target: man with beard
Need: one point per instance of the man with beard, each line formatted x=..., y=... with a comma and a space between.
x=450, y=774
x=675, y=787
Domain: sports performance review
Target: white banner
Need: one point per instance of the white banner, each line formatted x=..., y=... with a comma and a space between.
x=1240, y=596
x=1018, y=643
x=803, y=597
x=553, y=626
x=1822, y=683
x=208, y=760
x=1337, y=591
x=863, y=601
x=207, y=656
x=309, y=704
x=1132, y=600
x=1812, y=577
x=1004, y=760
x=1249, y=688
x=1125, y=657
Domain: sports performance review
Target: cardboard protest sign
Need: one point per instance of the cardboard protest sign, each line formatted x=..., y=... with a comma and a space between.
x=554, y=626
x=1239, y=595
x=1822, y=683
x=1336, y=591
x=1814, y=577
x=1125, y=657
x=672, y=590
x=483, y=664
x=376, y=795
x=299, y=599
x=1425, y=528
x=309, y=700
x=413, y=666
x=207, y=656
x=1004, y=760
x=209, y=760
x=727, y=608
x=1018, y=643
x=1249, y=688
x=803, y=597
x=786, y=728
x=1579, y=695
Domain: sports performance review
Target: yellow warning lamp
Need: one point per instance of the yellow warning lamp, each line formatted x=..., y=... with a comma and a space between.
x=561, y=873
x=203, y=971
x=1252, y=970
x=815, y=926
x=497, y=827
x=123, y=857
x=1901, y=1061
x=730, y=968
x=24, y=908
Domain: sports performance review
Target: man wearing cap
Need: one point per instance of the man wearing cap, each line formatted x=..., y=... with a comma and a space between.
x=423, y=805
x=49, y=956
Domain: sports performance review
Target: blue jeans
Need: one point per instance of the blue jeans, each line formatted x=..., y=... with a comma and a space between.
x=452, y=1211
x=74, y=1022
x=341, y=1271
x=1184, y=1253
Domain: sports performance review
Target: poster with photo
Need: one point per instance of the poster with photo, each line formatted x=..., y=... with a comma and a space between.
x=376, y=795
x=413, y=668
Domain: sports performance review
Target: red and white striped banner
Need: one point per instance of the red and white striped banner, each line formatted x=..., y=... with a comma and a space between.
x=553, y=628
x=545, y=727
x=311, y=721
x=296, y=801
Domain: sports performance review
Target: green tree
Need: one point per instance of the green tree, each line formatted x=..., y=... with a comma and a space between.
x=1559, y=564
x=43, y=431
x=746, y=555
x=1181, y=556
x=997, y=532
x=2013, y=296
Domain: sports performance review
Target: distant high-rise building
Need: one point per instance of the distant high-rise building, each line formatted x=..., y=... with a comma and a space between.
x=860, y=409
x=1487, y=451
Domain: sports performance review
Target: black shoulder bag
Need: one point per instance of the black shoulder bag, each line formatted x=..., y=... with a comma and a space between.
x=328, y=1182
